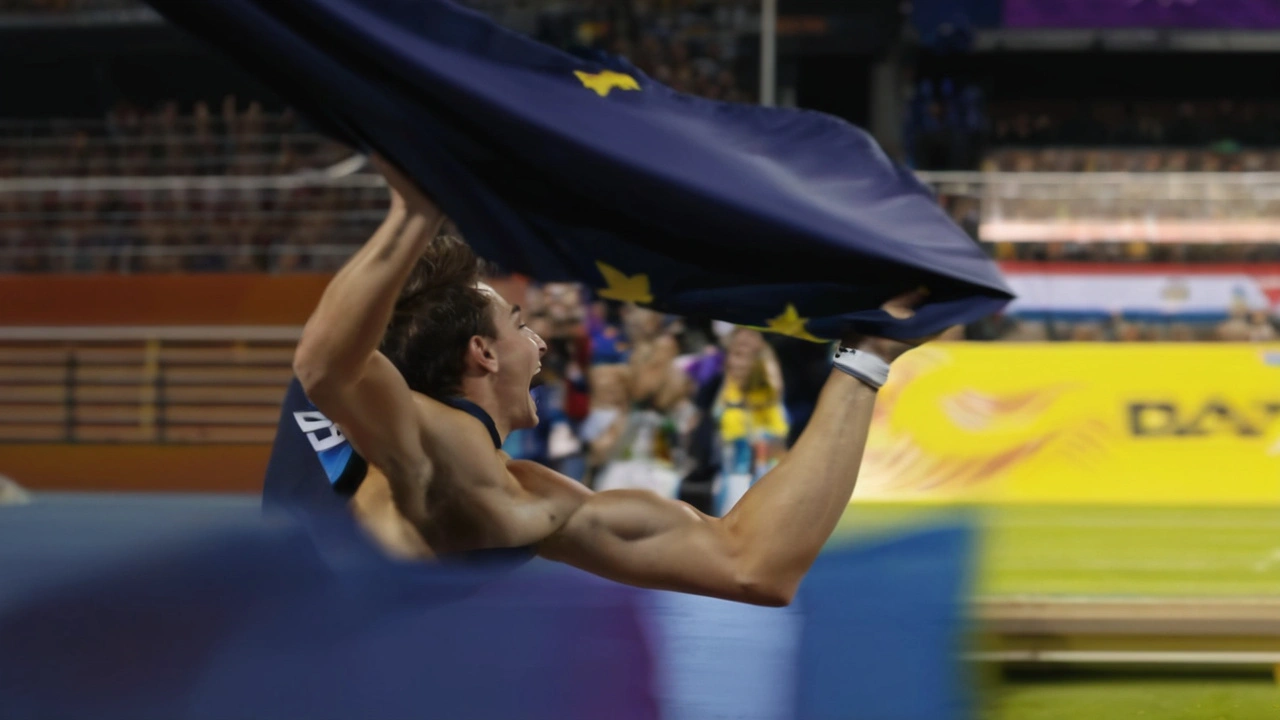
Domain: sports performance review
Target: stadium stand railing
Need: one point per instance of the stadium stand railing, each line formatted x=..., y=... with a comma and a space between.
x=229, y=141
x=1116, y=207
x=312, y=220
x=143, y=385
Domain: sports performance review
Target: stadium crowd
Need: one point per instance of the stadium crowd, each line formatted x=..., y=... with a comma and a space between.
x=169, y=222
x=249, y=222
x=1223, y=123
x=631, y=398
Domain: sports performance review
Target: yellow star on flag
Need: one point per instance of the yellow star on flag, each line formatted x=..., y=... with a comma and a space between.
x=623, y=287
x=606, y=80
x=791, y=324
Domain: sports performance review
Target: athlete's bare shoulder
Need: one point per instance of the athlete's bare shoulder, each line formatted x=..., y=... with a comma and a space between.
x=482, y=496
x=451, y=435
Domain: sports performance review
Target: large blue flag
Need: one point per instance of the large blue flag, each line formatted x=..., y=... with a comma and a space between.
x=567, y=168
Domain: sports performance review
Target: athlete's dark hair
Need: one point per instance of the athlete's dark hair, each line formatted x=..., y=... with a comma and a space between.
x=438, y=312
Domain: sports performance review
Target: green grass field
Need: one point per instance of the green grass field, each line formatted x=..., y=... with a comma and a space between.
x=1139, y=698
x=1073, y=550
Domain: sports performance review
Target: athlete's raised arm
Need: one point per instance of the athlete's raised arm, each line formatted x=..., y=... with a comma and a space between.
x=337, y=360
x=760, y=551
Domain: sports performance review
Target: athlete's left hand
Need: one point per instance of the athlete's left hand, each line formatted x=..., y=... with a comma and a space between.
x=902, y=307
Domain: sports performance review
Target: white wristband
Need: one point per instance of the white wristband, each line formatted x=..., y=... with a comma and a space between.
x=864, y=366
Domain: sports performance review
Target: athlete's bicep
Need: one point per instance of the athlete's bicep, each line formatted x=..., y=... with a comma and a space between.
x=378, y=413
x=638, y=538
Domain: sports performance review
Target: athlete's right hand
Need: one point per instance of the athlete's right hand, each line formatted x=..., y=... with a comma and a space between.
x=405, y=194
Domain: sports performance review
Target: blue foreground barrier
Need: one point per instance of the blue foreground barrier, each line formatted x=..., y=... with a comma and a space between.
x=195, y=607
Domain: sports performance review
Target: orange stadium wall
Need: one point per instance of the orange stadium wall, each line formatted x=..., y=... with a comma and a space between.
x=154, y=300
x=172, y=299
x=136, y=468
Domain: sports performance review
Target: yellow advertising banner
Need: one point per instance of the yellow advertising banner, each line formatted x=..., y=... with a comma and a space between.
x=1078, y=423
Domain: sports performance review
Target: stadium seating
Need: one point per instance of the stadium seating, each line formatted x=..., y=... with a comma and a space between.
x=211, y=392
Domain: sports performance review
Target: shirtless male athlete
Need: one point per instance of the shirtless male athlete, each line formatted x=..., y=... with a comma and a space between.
x=424, y=370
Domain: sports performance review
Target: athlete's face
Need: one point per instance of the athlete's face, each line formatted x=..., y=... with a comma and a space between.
x=519, y=352
x=741, y=354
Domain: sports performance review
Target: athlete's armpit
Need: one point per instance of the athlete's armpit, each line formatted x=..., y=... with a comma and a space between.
x=529, y=503
x=375, y=510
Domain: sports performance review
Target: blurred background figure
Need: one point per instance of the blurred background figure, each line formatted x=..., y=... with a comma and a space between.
x=744, y=405
x=642, y=446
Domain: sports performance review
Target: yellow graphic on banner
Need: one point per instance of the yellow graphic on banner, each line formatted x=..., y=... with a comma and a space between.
x=1078, y=423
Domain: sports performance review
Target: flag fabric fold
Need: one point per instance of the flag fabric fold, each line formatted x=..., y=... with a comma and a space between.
x=568, y=168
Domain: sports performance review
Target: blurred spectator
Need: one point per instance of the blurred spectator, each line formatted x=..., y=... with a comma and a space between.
x=1227, y=124
x=743, y=419
x=1261, y=329
x=636, y=437
x=1126, y=331
x=607, y=420
x=1237, y=327
x=656, y=381
x=1246, y=326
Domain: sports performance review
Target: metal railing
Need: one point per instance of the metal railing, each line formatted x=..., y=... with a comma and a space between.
x=139, y=259
x=314, y=179
x=1163, y=207
x=314, y=219
x=143, y=385
x=254, y=154
x=211, y=120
